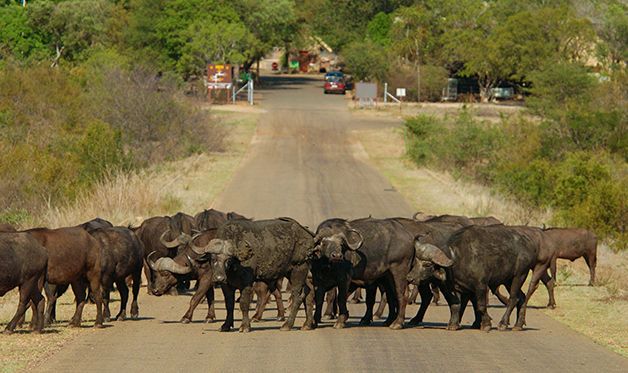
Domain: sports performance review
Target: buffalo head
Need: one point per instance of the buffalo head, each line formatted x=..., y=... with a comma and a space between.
x=336, y=244
x=163, y=273
x=429, y=262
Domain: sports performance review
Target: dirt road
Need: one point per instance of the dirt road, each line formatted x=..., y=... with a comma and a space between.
x=302, y=164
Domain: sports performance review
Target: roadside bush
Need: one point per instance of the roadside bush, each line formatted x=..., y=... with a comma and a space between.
x=62, y=131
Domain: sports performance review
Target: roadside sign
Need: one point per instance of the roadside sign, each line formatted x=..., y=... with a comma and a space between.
x=401, y=92
x=366, y=90
x=219, y=76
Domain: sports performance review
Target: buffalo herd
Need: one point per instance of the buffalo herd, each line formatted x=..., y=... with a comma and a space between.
x=459, y=257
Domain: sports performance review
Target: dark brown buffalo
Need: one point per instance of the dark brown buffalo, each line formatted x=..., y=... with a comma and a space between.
x=23, y=263
x=96, y=223
x=457, y=219
x=5, y=227
x=189, y=264
x=365, y=252
x=476, y=259
x=162, y=235
x=73, y=258
x=122, y=255
x=213, y=219
x=267, y=250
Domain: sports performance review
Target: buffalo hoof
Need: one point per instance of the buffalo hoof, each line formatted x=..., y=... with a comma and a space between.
x=551, y=306
x=388, y=322
x=209, y=320
x=225, y=327
x=340, y=325
x=415, y=322
x=286, y=328
x=309, y=326
x=281, y=318
x=366, y=322
x=185, y=320
x=7, y=331
x=517, y=328
x=98, y=326
x=453, y=327
x=245, y=329
x=121, y=318
x=107, y=319
x=135, y=315
x=328, y=317
x=486, y=328
x=396, y=326
x=502, y=327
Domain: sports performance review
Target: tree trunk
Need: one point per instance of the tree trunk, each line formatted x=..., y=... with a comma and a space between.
x=486, y=84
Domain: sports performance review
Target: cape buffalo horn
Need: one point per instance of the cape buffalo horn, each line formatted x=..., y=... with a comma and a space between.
x=215, y=246
x=355, y=245
x=431, y=253
x=169, y=244
x=420, y=216
x=200, y=250
x=151, y=264
x=167, y=264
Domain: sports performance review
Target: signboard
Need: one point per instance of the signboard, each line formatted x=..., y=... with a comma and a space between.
x=366, y=90
x=219, y=76
x=401, y=92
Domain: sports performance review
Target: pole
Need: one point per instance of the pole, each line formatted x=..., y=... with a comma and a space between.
x=385, y=92
x=233, y=93
x=252, y=91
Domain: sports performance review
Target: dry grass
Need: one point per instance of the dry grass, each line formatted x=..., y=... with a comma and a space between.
x=188, y=185
x=598, y=312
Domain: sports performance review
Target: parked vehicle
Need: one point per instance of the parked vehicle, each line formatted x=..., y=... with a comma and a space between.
x=334, y=75
x=335, y=85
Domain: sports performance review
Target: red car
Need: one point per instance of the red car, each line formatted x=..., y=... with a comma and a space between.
x=335, y=85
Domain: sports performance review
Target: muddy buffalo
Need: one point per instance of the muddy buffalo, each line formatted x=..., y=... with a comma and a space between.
x=364, y=252
x=122, y=255
x=266, y=250
x=213, y=219
x=23, y=264
x=476, y=259
x=73, y=258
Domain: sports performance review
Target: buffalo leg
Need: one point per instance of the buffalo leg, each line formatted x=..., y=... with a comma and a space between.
x=401, y=285
x=281, y=311
x=357, y=296
x=95, y=287
x=331, y=307
x=245, y=302
x=343, y=312
x=371, y=291
x=263, y=294
x=229, y=294
x=298, y=279
x=591, y=260
x=413, y=295
x=26, y=294
x=549, y=283
x=319, y=298
x=453, y=301
x=435, y=293
x=513, y=300
x=204, y=289
x=123, y=289
x=79, y=288
x=481, y=295
x=51, y=301
x=382, y=306
x=426, y=298
x=387, y=287
x=137, y=282
x=148, y=274
x=534, y=284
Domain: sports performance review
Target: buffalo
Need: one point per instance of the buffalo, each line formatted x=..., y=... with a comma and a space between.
x=73, y=258
x=121, y=256
x=23, y=264
x=266, y=250
x=162, y=235
x=476, y=259
x=364, y=252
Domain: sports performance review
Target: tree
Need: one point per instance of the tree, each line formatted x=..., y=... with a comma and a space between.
x=378, y=29
x=18, y=38
x=366, y=60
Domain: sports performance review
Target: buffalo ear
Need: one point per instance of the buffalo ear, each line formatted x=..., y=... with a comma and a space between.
x=440, y=274
x=432, y=254
x=353, y=239
x=353, y=257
